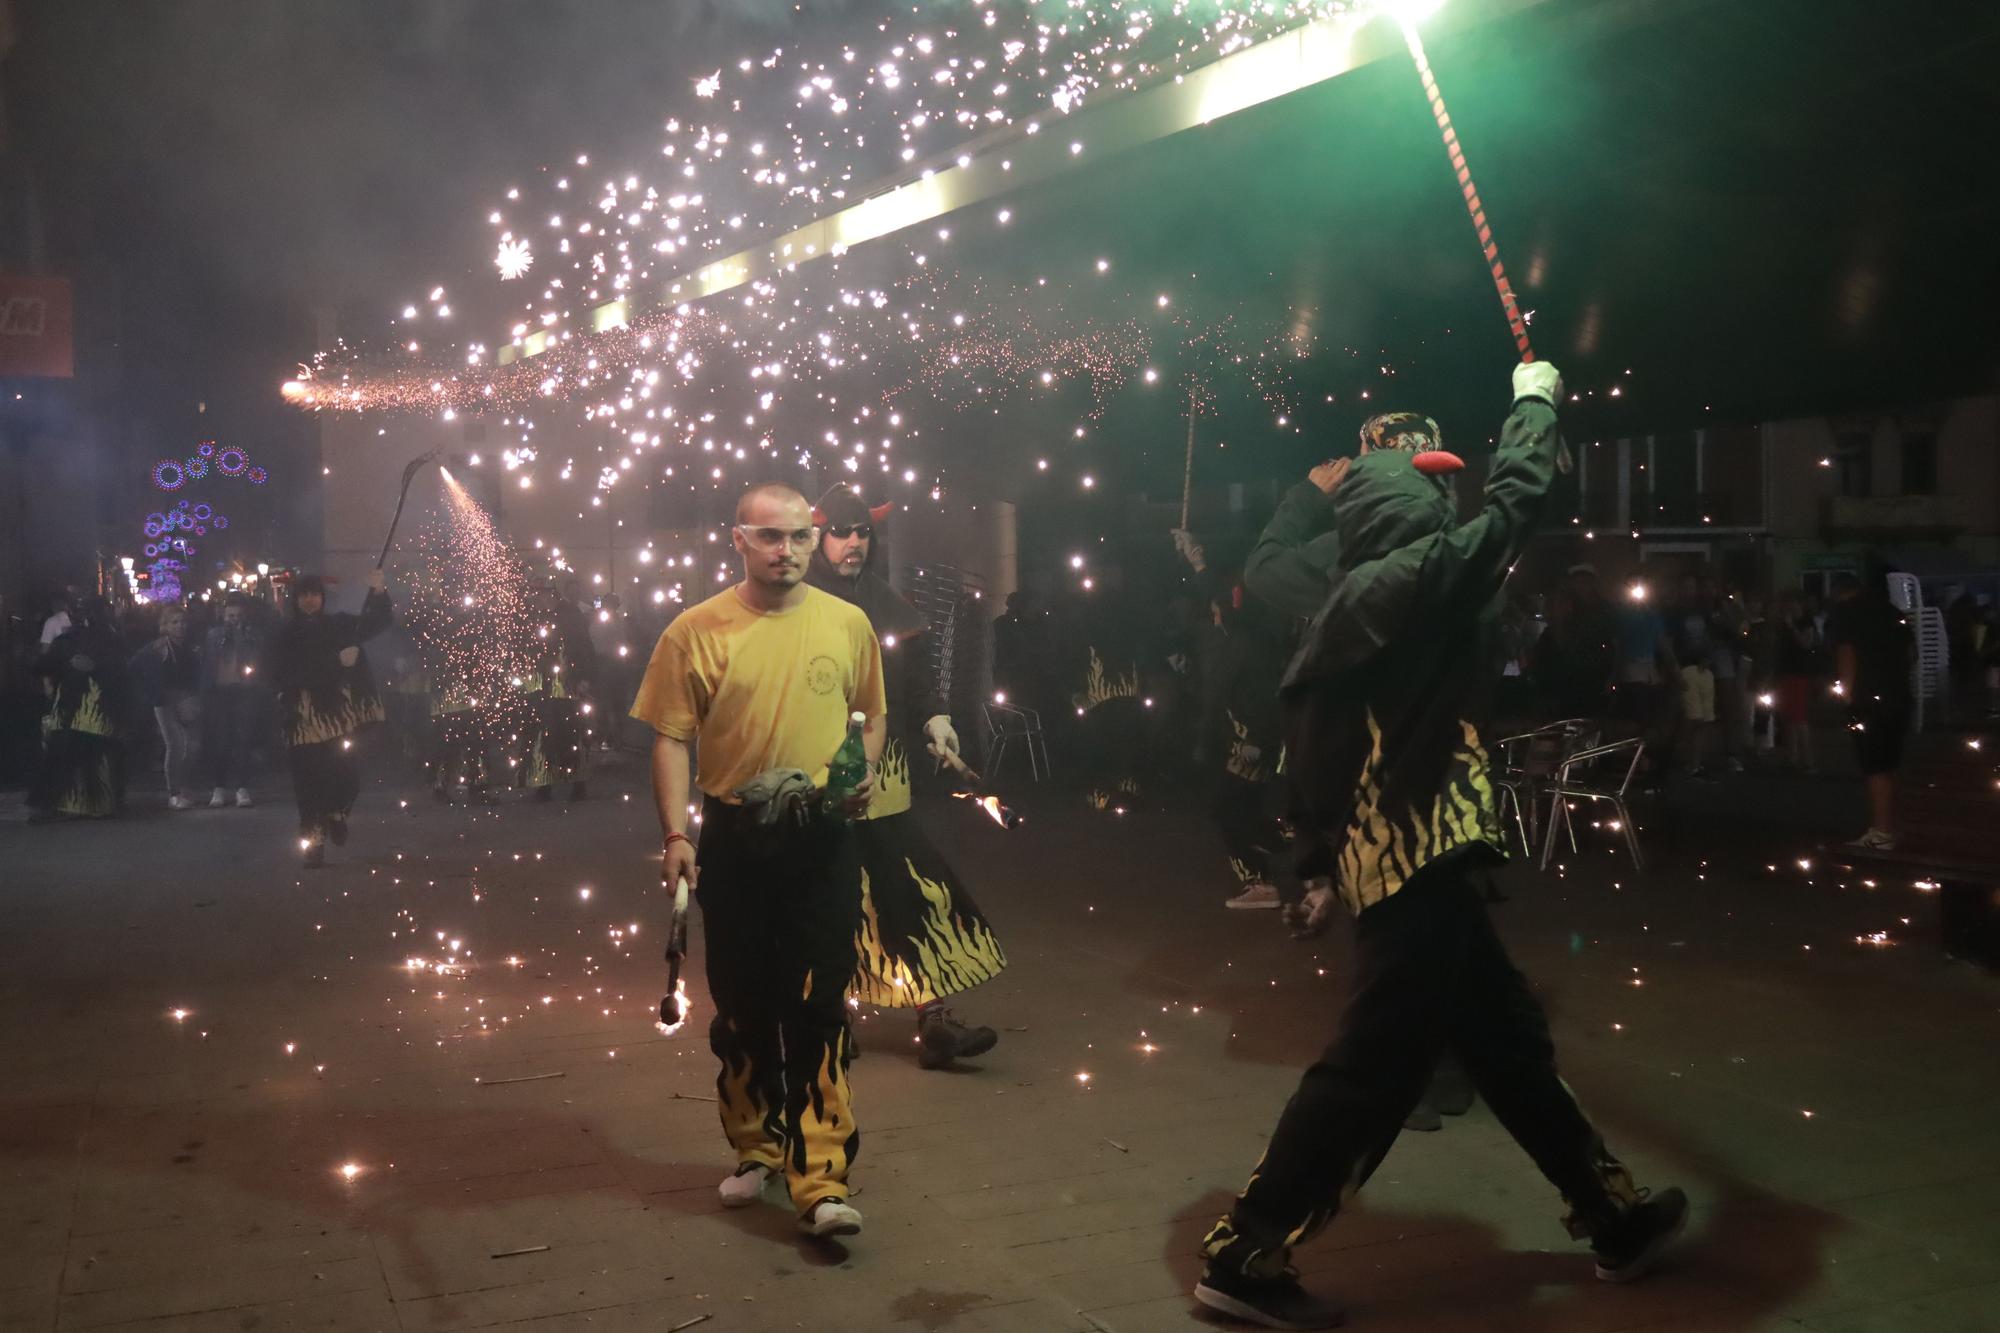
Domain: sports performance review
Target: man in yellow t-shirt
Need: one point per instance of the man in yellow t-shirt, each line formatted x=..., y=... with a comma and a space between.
x=766, y=674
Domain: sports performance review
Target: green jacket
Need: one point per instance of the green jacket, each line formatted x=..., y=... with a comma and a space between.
x=1386, y=696
x=1292, y=565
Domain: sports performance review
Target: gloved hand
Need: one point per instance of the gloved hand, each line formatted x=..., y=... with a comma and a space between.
x=1307, y=918
x=1538, y=379
x=349, y=655
x=1190, y=549
x=943, y=737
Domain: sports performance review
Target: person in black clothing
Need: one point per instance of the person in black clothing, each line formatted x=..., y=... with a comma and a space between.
x=83, y=733
x=167, y=675
x=922, y=938
x=326, y=694
x=1873, y=650
x=1239, y=722
x=230, y=689
x=1384, y=705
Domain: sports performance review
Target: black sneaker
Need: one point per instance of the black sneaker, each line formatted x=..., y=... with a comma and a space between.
x=1628, y=1248
x=545, y=793
x=580, y=791
x=315, y=855
x=942, y=1039
x=1423, y=1118
x=336, y=829
x=1268, y=1302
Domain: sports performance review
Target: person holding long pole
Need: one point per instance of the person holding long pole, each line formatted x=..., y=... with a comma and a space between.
x=326, y=695
x=1384, y=706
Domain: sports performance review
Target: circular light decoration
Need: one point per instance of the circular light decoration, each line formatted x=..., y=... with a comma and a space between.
x=206, y=449
x=197, y=467
x=221, y=522
x=232, y=461
x=203, y=512
x=200, y=530
x=169, y=475
x=257, y=476
x=152, y=551
x=155, y=525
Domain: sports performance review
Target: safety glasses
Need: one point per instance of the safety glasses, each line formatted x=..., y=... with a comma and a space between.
x=772, y=539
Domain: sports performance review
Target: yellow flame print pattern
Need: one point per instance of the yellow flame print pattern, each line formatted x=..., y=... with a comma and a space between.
x=1101, y=687
x=892, y=783
x=1386, y=847
x=342, y=715
x=949, y=954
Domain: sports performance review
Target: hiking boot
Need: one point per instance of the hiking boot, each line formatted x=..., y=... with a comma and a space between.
x=941, y=1039
x=745, y=1187
x=1629, y=1247
x=1268, y=1302
x=1255, y=897
x=830, y=1217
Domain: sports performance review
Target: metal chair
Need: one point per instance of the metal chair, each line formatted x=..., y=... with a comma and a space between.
x=1006, y=723
x=1528, y=760
x=1572, y=784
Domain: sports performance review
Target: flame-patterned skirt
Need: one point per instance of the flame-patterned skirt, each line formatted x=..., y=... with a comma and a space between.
x=922, y=937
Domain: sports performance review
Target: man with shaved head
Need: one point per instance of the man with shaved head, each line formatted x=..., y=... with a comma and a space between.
x=766, y=673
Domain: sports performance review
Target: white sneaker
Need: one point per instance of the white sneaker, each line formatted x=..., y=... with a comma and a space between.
x=243, y=801
x=745, y=1187
x=1255, y=896
x=831, y=1217
x=179, y=802
x=217, y=799
x=1874, y=840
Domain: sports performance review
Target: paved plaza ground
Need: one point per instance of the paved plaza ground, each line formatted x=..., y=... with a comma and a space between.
x=197, y=1037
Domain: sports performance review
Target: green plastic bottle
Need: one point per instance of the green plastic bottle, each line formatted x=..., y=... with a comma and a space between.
x=849, y=767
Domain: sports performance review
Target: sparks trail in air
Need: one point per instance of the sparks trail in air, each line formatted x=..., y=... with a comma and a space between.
x=473, y=612
x=766, y=142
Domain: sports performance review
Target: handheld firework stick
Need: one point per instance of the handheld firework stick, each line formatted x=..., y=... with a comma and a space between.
x=1509, y=306
x=674, y=1007
x=1187, y=470
x=950, y=759
x=409, y=475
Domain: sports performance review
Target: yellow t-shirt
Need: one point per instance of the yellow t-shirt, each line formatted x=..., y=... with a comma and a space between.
x=763, y=689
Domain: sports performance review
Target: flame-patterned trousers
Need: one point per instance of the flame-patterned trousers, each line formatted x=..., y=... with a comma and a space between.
x=921, y=937
x=325, y=783
x=1250, y=832
x=1431, y=975
x=778, y=911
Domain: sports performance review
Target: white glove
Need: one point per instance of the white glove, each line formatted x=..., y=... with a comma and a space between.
x=1538, y=379
x=349, y=655
x=1189, y=549
x=942, y=736
x=1307, y=918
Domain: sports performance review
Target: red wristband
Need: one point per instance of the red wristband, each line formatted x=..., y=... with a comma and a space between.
x=673, y=838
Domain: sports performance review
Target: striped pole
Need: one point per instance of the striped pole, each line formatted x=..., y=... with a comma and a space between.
x=1508, y=304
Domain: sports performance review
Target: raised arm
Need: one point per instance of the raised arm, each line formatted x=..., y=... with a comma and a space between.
x=1292, y=565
